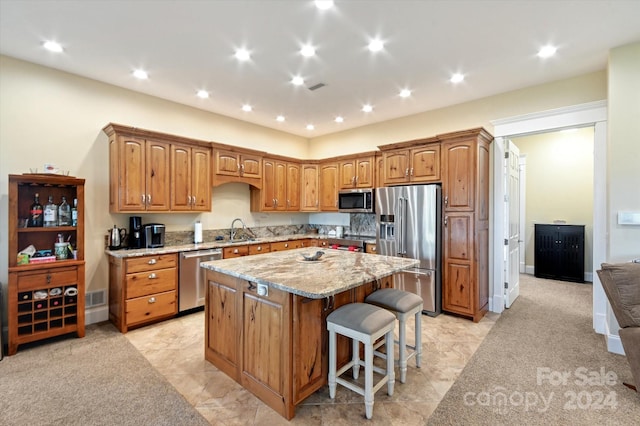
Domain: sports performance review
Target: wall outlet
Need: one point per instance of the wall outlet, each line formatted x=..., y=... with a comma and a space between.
x=263, y=290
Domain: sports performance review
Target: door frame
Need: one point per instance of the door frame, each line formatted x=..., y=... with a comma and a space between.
x=582, y=115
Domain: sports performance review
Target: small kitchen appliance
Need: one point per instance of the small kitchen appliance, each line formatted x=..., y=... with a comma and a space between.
x=356, y=201
x=135, y=232
x=116, y=236
x=153, y=235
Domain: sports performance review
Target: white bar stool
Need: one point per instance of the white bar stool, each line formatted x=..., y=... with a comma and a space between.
x=402, y=304
x=364, y=323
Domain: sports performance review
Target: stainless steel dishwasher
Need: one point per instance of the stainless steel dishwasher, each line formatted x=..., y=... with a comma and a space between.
x=192, y=284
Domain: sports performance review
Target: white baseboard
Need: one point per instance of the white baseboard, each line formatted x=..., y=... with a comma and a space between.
x=600, y=323
x=529, y=269
x=95, y=315
x=614, y=344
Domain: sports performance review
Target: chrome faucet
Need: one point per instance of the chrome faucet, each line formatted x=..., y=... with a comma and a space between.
x=233, y=233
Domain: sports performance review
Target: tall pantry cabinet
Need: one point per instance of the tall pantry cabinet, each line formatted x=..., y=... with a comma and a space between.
x=465, y=192
x=45, y=294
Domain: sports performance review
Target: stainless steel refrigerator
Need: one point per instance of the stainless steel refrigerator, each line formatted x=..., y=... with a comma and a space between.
x=408, y=224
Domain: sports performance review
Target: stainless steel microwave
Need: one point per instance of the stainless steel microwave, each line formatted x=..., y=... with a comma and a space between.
x=356, y=200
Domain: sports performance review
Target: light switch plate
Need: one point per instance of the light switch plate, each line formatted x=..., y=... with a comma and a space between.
x=628, y=218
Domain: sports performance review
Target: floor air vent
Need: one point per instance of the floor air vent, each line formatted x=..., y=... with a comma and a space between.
x=95, y=298
x=316, y=86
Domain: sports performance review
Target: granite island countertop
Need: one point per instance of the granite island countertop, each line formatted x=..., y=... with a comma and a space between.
x=336, y=271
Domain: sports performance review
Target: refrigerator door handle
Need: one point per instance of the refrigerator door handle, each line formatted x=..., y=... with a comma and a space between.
x=399, y=226
x=405, y=210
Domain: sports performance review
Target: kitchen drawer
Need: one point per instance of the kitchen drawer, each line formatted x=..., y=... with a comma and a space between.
x=149, y=263
x=145, y=283
x=285, y=245
x=228, y=252
x=148, y=308
x=54, y=277
x=259, y=248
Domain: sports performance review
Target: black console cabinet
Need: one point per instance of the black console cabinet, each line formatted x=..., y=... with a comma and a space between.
x=559, y=252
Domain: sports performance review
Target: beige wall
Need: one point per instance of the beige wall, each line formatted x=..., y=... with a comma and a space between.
x=52, y=116
x=623, y=156
x=48, y=116
x=559, y=183
x=479, y=113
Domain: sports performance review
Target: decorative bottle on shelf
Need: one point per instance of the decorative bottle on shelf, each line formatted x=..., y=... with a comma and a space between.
x=50, y=213
x=35, y=212
x=64, y=213
x=74, y=213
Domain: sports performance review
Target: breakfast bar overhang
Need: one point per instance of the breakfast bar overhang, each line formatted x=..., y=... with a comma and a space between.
x=265, y=317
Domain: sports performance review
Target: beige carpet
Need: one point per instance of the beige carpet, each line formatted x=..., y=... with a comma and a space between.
x=100, y=379
x=542, y=364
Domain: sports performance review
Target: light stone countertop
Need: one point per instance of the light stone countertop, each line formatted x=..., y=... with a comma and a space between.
x=209, y=245
x=216, y=244
x=337, y=271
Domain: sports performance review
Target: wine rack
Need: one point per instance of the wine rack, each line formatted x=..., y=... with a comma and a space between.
x=44, y=299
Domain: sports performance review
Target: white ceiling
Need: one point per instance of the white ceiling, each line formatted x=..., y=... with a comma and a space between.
x=189, y=45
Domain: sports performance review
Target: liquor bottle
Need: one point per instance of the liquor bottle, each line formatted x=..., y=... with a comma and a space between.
x=35, y=212
x=50, y=213
x=64, y=213
x=74, y=213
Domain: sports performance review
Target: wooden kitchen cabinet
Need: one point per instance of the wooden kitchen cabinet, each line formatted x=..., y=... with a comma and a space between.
x=412, y=165
x=190, y=178
x=329, y=187
x=143, y=177
x=280, y=187
x=38, y=307
x=142, y=290
x=222, y=324
x=465, y=189
x=236, y=165
x=310, y=187
x=357, y=172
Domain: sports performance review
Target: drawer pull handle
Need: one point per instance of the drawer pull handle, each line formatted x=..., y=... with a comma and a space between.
x=48, y=278
x=259, y=248
x=286, y=245
x=153, y=276
x=235, y=251
x=152, y=300
x=152, y=261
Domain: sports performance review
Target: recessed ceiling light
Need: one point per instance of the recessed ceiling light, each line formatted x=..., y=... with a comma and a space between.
x=308, y=50
x=547, y=51
x=310, y=127
x=324, y=4
x=375, y=45
x=297, y=80
x=242, y=55
x=202, y=94
x=247, y=108
x=457, y=78
x=280, y=118
x=367, y=108
x=339, y=119
x=141, y=74
x=405, y=93
x=52, y=46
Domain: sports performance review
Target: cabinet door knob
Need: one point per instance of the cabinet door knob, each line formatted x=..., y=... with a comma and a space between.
x=446, y=219
x=411, y=172
x=446, y=200
x=235, y=251
x=153, y=276
x=152, y=300
x=149, y=199
x=259, y=248
x=152, y=261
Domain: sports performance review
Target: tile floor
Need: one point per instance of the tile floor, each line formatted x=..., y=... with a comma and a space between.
x=176, y=349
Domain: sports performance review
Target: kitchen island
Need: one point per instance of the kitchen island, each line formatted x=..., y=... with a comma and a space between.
x=265, y=317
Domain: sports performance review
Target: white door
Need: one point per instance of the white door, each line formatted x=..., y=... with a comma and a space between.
x=512, y=224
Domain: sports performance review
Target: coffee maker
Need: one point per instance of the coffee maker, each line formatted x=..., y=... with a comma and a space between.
x=135, y=232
